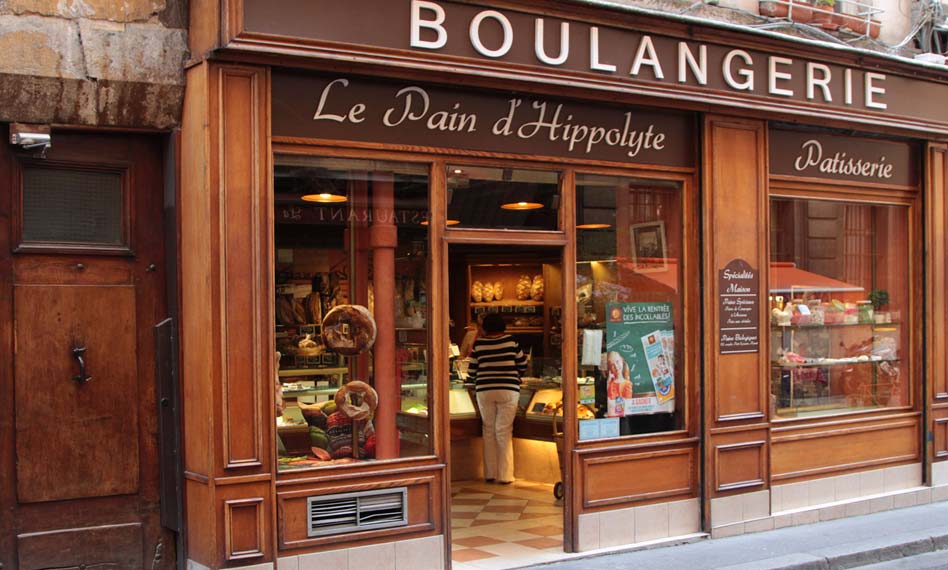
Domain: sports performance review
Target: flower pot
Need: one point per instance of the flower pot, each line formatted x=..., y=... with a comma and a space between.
x=824, y=18
x=860, y=25
x=800, y=12
x=875, y=27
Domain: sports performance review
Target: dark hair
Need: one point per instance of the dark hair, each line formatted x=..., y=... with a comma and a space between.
x=493, y=324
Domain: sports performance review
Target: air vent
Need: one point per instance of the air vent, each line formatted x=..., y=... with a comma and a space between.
x=348, y=512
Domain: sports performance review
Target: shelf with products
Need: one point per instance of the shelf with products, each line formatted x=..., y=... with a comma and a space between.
x=832, y=350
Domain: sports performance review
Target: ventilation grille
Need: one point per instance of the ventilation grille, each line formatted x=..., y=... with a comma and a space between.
x=347, y=512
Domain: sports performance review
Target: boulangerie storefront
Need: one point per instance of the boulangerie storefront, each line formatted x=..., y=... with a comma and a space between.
x=704, y=240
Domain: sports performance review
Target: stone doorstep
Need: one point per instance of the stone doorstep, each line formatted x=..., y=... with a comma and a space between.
x=856, y=500
x=624, y=548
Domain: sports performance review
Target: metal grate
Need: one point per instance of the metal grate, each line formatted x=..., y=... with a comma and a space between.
x=72, y=206
x=365, y=510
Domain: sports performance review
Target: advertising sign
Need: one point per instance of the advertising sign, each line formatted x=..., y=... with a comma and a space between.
x=640, y=368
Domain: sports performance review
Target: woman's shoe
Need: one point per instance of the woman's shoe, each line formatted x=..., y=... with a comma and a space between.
x=504, y=482
x=490, y=480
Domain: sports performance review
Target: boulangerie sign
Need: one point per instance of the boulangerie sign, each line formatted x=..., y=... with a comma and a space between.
x=543, y=42
x=356, y=109
x=838, y=157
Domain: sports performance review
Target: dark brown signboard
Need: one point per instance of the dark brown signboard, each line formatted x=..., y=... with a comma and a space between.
x=503, y=36
x=356, y=109
x=837, y=157
x=739, y=308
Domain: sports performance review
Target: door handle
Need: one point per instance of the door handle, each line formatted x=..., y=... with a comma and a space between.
x=79, y=353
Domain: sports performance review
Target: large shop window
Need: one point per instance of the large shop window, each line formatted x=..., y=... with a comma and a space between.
x=839, y=307
x=630, y=306
x=352, y=269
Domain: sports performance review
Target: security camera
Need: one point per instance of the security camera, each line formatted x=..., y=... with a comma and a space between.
x=31, y=140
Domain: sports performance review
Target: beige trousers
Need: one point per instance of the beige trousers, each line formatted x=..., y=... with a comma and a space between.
x=498, y=409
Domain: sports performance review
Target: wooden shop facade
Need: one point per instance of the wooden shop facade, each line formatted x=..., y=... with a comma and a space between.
x=722, y=252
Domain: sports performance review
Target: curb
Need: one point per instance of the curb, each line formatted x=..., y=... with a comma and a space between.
x=852, y=555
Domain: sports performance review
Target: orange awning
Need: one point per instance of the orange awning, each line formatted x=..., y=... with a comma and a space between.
x=786, y=277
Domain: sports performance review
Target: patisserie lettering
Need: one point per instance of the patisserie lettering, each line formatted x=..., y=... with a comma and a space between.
x=811, y=155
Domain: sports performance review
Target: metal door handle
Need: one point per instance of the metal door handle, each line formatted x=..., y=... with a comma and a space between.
x=79, y=353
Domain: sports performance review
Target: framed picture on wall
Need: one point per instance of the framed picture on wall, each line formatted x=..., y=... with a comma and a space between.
x=649, y=248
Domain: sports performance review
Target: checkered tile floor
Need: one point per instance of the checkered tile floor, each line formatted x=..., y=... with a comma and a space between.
x=495, y=527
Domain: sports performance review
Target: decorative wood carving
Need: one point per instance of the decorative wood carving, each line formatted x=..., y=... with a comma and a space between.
x=740, y=465
x=244, y=528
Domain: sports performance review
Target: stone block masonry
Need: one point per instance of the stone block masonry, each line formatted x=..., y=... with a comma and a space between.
x=93, y=62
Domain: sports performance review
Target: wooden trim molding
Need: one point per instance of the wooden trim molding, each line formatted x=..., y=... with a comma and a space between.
x=721, y=455
x=681, y=462
x=936, y=240
x=236, y=543
x=940, y=437
x=240, y=99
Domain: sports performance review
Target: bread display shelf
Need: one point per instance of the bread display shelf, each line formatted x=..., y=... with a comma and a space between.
x=506, y=303
x=312, y=371
x=832, y=362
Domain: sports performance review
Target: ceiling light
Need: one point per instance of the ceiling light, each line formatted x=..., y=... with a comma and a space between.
x=593, y=226
x=324, y=198
x=446, y=222
x=458, y=171
x=522, y=206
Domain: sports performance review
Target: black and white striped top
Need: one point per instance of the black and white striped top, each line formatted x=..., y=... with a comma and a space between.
x=497, y=363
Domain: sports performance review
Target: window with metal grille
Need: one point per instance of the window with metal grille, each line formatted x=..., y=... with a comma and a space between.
x=365, y=510
x=72, y=207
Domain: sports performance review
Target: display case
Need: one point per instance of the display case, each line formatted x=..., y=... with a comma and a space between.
x=833, y=350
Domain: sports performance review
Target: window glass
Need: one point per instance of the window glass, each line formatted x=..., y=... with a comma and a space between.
x=63, y=206
x=630, y=306
x=351, y=242
x=839, y=286
x=502, y=198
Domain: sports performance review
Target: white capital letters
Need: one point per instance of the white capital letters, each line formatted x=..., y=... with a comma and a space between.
x=773, y=75
x=476, y=34
x=822, y=82
x=437, y=25
x=652, y=60
x=872, y=90
x=538, y=38
x=594, y=63
x=747, y=74
x=686, y=61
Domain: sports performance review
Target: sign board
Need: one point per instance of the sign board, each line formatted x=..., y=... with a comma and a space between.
x=420, y=115
x=739, y=308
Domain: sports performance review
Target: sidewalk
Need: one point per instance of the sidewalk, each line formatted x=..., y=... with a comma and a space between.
x=838, y=544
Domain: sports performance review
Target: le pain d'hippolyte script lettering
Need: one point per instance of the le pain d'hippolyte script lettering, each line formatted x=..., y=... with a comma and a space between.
x=738, y=69
x=811, y=157
x=523, y=119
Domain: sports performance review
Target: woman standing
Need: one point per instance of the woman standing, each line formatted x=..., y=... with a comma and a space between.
x=496, y=365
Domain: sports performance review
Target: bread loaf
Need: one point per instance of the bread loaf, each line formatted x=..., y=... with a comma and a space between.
x=477, y=292
x=536, y=288
x=284, y=311
x=488, y=292
x=523, y=288
x=349, y=330
x=498, y=291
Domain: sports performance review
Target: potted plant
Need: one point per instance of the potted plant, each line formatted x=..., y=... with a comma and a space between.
x=880, y=304
x=861, y=24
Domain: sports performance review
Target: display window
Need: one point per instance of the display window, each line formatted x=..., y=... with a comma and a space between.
x=352, y=317
x=840, y=311
x=502, y=198
x=630, y=306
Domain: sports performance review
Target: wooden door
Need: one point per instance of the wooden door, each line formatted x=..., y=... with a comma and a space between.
x=82, y=259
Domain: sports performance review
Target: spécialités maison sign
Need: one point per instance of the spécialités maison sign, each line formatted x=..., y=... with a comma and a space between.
x=508, y=36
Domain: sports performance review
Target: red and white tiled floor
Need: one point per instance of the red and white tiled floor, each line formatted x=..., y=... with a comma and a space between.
x=495, y=527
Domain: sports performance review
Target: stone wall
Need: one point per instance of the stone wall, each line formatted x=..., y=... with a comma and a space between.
x=93, y=62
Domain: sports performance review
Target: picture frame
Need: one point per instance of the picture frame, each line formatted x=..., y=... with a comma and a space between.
x=649, y=247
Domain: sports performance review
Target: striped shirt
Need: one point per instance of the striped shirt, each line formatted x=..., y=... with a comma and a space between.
x=497, y=364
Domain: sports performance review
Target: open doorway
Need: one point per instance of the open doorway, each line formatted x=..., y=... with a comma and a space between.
x=495, y=522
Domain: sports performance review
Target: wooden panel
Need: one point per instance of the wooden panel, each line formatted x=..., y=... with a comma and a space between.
x=624, y=478
x=940, y=435
x=937, y=261
x=735, y=182
x=740, y=465
x=111, y=547
x=840, y=446
x=241, y=284
x=92, y=426
x=244, y=528
x=424, y=510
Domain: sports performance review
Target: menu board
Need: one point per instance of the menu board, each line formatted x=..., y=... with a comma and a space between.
x=640, y=357
x=739, y=308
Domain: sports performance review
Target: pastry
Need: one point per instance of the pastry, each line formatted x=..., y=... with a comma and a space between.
x=498, y=291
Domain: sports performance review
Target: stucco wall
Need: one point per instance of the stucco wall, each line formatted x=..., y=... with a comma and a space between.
x=93, y=62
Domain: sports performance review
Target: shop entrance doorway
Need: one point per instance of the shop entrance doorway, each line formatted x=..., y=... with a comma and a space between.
x=500, y=516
